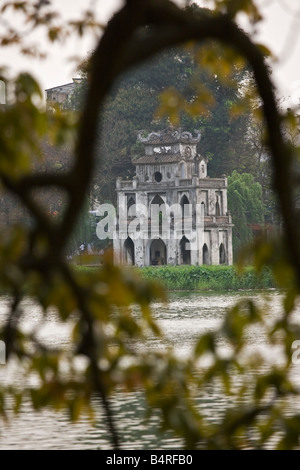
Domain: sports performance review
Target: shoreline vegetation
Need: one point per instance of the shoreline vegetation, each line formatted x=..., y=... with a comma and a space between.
x=203, y=278
x=217, y=278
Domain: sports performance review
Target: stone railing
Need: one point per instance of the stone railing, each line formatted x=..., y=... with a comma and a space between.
x=217, y=219
x=205, y=183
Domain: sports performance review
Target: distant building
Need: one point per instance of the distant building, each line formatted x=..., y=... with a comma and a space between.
x=2, y=92
x=60, y=94
x=172, y=174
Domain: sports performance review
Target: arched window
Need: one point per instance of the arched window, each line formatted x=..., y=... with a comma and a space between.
x=157, y=200
x=203, y=209
x=184, y=201
x=205, y=254
x=218, y=211
x=157, y=214
x=184, y=210
x=185, y=252
x=222, y=254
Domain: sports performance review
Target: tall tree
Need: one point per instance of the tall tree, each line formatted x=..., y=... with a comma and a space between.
x=245, y=202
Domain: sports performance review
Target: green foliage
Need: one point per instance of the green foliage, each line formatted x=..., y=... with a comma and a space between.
x=21, y=117
x=245, y=203
x=219, y=278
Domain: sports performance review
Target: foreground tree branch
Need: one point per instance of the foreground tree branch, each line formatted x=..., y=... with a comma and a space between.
x=137, y=32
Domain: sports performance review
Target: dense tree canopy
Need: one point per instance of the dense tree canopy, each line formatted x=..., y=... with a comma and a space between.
x=245, y=202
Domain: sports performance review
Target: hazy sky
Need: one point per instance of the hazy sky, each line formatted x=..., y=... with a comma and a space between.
x=280, y=31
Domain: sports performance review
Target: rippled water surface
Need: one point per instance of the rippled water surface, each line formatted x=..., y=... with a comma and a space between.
x=185, y=317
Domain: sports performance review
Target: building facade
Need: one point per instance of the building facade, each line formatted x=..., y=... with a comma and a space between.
x=172, y=212
x=60, y=94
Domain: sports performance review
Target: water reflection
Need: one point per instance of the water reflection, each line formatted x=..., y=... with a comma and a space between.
x=182, y=320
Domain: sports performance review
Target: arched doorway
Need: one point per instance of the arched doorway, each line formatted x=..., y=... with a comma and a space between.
x=129, y=251
x=205, y=254
x=185, y=252
x=184, y=201
x=158, y=252
x=222, y=254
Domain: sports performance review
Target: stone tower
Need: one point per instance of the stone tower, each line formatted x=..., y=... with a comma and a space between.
x=172, y=212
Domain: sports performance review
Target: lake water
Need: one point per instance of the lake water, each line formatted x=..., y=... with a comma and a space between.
x=186, y=316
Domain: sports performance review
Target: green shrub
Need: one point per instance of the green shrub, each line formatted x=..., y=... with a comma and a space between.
x=208, y=277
